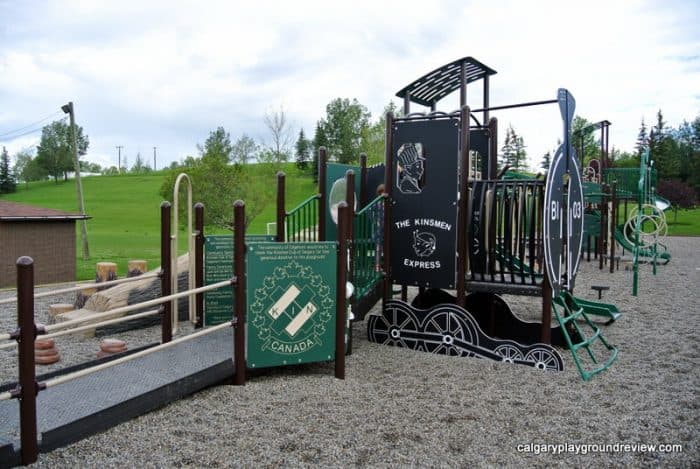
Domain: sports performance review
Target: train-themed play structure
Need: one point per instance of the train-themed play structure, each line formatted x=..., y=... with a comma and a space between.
x=438, y=216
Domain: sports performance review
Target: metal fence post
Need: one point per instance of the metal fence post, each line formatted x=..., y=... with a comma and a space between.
x=27, y=374
x=239, y=345
x=341, y=311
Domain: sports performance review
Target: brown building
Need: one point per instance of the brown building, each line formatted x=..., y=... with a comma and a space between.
x=45, y=235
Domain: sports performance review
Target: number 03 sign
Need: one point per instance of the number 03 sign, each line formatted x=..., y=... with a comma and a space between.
x=563, y=207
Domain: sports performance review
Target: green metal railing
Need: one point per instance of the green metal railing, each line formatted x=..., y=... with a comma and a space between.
x=367, y=244
x=301, y=223
x=628, y=181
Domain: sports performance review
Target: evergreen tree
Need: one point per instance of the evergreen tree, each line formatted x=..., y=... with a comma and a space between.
x=507, y=156
x=303, y=149
x=546, y=161
x=642, y=139
x=320, y=140
x=513, y=151
x=7, y=179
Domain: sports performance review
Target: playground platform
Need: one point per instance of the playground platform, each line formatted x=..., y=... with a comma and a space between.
x=83, y=406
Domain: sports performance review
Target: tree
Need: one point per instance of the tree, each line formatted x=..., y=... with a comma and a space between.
x=681, y=195
x=320, y=140
x=27, y=168
x=217, y=146
x=217, y=185
x=584, y=141
x=642, y=139
x=546, y=161
x=343, y=128
x=303, y=150
x=140, y=167
x=54, y=151
x=664, y=150
x=7, y=179
x=244, y=150
x=513, y=151
x=375, y=134
x=280, y=136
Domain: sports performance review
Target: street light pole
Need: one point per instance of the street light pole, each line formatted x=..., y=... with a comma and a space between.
x=154, y=158
x=68, y=109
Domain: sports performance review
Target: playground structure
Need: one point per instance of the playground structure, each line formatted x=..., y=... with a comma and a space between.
x=438, y=229
x=443, y=221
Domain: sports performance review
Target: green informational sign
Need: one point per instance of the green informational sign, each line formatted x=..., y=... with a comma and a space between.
x=291, y=293
x=218, y=266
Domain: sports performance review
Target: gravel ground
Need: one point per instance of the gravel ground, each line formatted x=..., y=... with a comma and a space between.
x=398, y=407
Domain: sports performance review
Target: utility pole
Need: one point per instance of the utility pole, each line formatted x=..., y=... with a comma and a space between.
x=68, y=109
x=119, y=163
x=154, y=158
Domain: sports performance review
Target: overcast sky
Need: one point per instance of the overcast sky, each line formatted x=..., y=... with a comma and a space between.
x=165, y=73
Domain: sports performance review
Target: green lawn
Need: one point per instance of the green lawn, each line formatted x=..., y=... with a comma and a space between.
x=687, y=222
x=125, y=213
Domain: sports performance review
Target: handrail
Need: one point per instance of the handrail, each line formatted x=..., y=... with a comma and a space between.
x=118, y=361
x=370, y=204
x=145, y=304
x=86, y=285
x=301, y=205
x=190, y=248
x=89, y=326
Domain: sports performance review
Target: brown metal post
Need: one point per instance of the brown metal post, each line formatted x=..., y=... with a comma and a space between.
x=350, y=199
x=406, y=103
x=363, y=181
x=388, y=185
x=166, y=272
x=281, y=211
x=239, y=345
x=462, y=207
x=493, y=149
x=603, y=226
x=546, y=331
x=199, y=261
x=27, y=373
x=486, y=101
x=613, y=223
x=341, y=309
x=322, y=190
x=463, y=86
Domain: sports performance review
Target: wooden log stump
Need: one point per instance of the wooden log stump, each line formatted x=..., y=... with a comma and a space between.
x=136, y=267
x=58, y=308
x=105, y=271
x=82, y=296
x=45, y=352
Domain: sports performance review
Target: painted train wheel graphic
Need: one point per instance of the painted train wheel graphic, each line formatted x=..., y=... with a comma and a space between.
x=392, y=331
x=443, y=327
x=544, y=359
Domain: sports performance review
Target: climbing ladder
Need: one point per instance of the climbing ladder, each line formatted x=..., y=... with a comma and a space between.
x=567, y=310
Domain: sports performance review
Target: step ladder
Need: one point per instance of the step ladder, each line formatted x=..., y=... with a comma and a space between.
x=570, y=314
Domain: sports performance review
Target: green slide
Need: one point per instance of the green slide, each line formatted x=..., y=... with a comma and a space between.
x=622, y=241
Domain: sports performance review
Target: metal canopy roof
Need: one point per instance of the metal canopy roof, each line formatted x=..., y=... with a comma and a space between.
x=434, y=86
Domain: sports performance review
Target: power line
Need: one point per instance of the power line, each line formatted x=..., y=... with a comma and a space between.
x=38, y=129
x=31, y=125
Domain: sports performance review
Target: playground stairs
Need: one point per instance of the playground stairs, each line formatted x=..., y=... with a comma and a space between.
x=95, y=402
x=596, y=308
x=573, y=317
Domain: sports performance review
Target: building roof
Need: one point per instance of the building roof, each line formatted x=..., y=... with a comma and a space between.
x=12, y=211
x=442, y=81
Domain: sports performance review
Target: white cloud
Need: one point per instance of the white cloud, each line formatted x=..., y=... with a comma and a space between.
x=164, y=74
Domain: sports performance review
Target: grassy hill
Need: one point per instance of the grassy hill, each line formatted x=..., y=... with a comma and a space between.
x=125, y=212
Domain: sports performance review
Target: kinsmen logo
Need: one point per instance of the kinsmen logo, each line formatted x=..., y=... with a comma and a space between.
x=424, y=243
x=291, y=310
